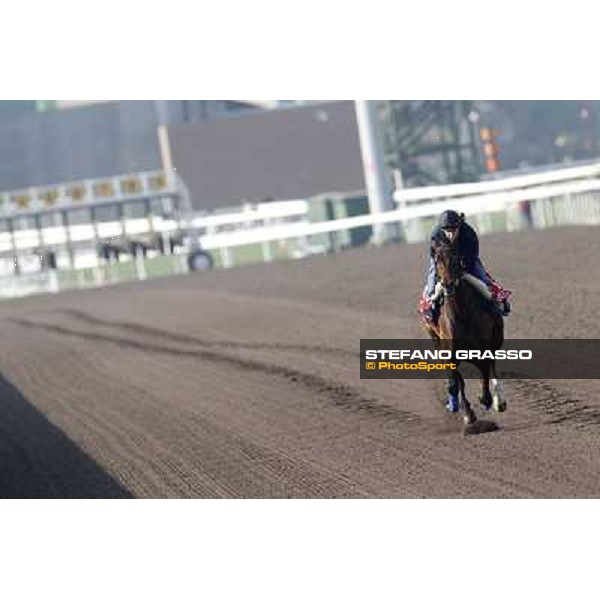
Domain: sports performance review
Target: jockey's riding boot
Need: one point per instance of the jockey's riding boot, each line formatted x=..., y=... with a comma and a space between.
x=452, y=404
x=433, y=312
x=506, y=307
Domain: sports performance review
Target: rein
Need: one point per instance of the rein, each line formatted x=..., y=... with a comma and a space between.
x=449, y=289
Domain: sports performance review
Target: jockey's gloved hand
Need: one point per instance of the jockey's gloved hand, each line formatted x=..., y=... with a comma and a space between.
x=503, y=306
x=438, y=291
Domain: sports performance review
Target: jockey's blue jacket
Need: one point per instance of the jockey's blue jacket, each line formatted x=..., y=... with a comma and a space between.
x=468, y=250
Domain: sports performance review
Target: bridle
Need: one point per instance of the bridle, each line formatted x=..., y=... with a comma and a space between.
x=455, y=271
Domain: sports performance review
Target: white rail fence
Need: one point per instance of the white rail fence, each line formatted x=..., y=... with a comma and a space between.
x=573, y=203
x=261, y=218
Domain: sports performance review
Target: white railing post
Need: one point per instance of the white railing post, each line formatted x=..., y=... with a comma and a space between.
x=376, y=180
x=140, y=263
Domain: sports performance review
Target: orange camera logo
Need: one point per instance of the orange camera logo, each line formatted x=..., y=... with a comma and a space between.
x=370, y=366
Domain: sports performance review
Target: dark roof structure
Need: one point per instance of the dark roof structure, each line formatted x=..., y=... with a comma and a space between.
x=286, y=153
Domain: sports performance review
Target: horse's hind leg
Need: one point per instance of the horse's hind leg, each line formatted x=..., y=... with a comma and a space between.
x=499, y=402
x=486, y=399
x=469, y=413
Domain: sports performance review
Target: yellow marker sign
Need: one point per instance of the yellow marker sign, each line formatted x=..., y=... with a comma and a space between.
x=22, y=200
x=76, y=192
x=49, y=197
x=157, y=182
x=104, y=189
x=131, y=185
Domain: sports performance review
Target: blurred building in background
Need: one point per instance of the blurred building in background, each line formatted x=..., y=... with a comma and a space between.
x=193, y=183
x=16, y=108
x=533, y=133
x=435, y=142
x=49, y=142
x=286, y=153
x=231, y=151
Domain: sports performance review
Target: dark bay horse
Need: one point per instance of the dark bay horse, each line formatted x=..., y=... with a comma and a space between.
x=467, y=321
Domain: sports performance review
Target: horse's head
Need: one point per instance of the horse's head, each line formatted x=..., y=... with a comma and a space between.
x=449, y=267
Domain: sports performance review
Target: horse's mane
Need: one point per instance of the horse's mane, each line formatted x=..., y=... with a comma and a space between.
x=444, y=247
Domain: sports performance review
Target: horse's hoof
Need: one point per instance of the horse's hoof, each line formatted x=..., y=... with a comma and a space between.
x=469, y=418
x=452, y=405
x=486, y=405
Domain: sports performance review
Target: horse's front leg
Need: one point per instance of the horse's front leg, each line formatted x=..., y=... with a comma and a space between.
x=470, y=416
x=498, y=400
x=485, y=399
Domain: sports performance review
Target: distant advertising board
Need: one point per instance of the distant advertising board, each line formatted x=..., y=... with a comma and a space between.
x=109, y=189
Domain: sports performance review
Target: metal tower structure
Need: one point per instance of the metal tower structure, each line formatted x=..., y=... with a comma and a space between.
x=432, y=141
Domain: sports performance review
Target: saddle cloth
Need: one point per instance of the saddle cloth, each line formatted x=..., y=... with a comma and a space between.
x=497, y=291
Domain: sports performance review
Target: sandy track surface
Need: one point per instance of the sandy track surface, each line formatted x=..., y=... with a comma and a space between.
x=244, y=383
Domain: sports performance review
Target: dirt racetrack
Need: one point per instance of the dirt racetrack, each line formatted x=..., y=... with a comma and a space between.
x=244, y=383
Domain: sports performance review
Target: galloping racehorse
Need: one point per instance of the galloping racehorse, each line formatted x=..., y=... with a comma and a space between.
x=467, y=321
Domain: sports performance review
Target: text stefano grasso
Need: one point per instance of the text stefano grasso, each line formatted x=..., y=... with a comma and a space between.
x=448, y=354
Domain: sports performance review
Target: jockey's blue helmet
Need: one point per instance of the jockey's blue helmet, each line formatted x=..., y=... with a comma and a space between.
x=450, y=218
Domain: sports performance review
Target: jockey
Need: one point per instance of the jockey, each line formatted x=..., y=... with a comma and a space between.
x=451, y=226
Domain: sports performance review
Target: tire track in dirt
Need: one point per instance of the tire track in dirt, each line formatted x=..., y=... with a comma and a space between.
x=177, y=405
x=562, y=407
x=497, y=486
x=230, y=464
x=299, y=480
x=125, y=442
x=342, y=395
x=189, y=339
